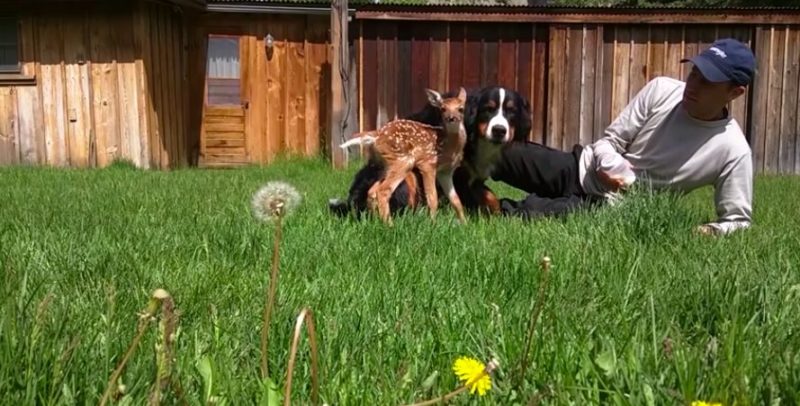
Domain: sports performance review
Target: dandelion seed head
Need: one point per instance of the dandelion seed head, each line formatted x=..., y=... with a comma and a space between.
x=273, y=200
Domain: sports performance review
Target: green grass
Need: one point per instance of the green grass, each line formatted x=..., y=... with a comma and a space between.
x=81, y=250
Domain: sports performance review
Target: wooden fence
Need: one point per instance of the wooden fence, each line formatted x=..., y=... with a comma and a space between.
x=577, y=76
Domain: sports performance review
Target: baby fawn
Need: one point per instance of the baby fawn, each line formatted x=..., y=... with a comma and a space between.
x=402, y=145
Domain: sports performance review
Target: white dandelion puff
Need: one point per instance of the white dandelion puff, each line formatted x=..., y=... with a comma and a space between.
x=275, y=199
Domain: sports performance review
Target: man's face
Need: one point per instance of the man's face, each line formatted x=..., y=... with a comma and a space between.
x=704, y=99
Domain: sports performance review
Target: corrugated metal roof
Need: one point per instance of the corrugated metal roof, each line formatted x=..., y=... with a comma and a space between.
x=501, y=3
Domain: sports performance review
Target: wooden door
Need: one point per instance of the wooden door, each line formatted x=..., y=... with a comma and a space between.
x=226, y=105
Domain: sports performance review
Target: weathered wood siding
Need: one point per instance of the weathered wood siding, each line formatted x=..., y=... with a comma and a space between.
x=776, y=111
x=109, y=84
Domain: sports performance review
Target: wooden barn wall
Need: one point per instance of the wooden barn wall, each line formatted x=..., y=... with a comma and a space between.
x=108, y=85
x=163, y=91
x=578, y=77
x=287, y=91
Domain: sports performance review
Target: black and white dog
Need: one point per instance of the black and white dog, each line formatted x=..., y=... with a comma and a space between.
x=494, y=117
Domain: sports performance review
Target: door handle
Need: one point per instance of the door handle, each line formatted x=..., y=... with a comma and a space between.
x=246, y=104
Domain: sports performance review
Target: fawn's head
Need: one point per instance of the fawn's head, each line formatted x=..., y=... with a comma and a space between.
x=451, y=108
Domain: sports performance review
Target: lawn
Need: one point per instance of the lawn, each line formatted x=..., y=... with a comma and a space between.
x=638, y=310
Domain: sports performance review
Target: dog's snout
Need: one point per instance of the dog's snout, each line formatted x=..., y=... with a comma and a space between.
x=498, y=131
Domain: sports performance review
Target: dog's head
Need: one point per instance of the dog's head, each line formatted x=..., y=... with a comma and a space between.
x=498, y=115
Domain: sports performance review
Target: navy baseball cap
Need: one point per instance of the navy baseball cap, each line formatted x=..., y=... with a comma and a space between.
x=726, y=59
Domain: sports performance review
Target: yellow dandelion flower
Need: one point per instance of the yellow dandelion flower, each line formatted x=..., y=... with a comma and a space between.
x=474, y=375
x=703, y=403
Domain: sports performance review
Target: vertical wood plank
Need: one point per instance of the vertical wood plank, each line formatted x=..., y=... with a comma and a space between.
x=397, y=95
x=622, y=59
x=739, y=108
x=248, y=76
x=556, y=85
x=603, y=82
x=105, y=100
x=76, y=71
x=456, y=63
x=540, y=73
x=507, y=62
x=761, y=92
x=490, y=35
x=420, y=62
x=52, y=88
x=27, y=105
x=437, y=74
x=276, y=70
x=588, y=104
x=472, y=56
x=315, y=60
x=372, y=68
x=672, y=64
x=639, y=57
x=30, y=129
x=171, y=104
x=9, y=151
x=144, y=84
x=524, y=68
x=295, y=86
x=658, y=51
x=796, y=63
x=788, y=132
x=774, y=108
x=571, y=98
x=256, y=115
x=121, y=104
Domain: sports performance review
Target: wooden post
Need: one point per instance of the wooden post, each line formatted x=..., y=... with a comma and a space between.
x=341, y=102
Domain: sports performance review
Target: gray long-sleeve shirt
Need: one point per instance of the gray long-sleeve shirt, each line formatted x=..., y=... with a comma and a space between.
x=670, y=149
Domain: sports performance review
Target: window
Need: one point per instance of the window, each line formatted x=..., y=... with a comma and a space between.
x=223, y=71
x=9, y=45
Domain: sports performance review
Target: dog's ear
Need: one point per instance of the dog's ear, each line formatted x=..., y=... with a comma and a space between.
x=524, y=124
x=471, y=113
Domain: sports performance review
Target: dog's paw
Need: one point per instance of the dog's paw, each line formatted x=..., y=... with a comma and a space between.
x=338, y=207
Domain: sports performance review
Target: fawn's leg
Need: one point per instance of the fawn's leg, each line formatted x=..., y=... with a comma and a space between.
x=428, y=170
x=395, y=174
x=446, y=180
x=372, y=197
x=411, y=182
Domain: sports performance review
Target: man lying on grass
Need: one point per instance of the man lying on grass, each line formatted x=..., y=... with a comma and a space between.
x=673, y=135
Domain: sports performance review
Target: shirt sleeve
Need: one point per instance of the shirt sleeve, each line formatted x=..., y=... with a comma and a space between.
x=733, y=195
x=623, y=130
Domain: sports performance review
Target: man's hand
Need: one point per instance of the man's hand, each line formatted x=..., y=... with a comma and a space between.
x=611, y=183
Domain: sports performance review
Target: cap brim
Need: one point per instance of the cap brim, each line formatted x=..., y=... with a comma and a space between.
x=710, y=71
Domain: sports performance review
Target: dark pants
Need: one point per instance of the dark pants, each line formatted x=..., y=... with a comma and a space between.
x=550, y=176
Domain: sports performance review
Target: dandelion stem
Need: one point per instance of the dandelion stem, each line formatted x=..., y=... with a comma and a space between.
x=537, y=309
x=144, y=320
x=164, y=345
x=490, y=367
x=305, y=314
x=441, y=399
x=273, y=281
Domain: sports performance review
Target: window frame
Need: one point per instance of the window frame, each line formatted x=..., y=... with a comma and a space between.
x=15, y=76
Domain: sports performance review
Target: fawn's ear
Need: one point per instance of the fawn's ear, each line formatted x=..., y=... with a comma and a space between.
x=434, y=97
x=462, y=95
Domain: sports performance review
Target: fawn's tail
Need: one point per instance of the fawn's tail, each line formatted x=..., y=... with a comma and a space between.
x=365, y=138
